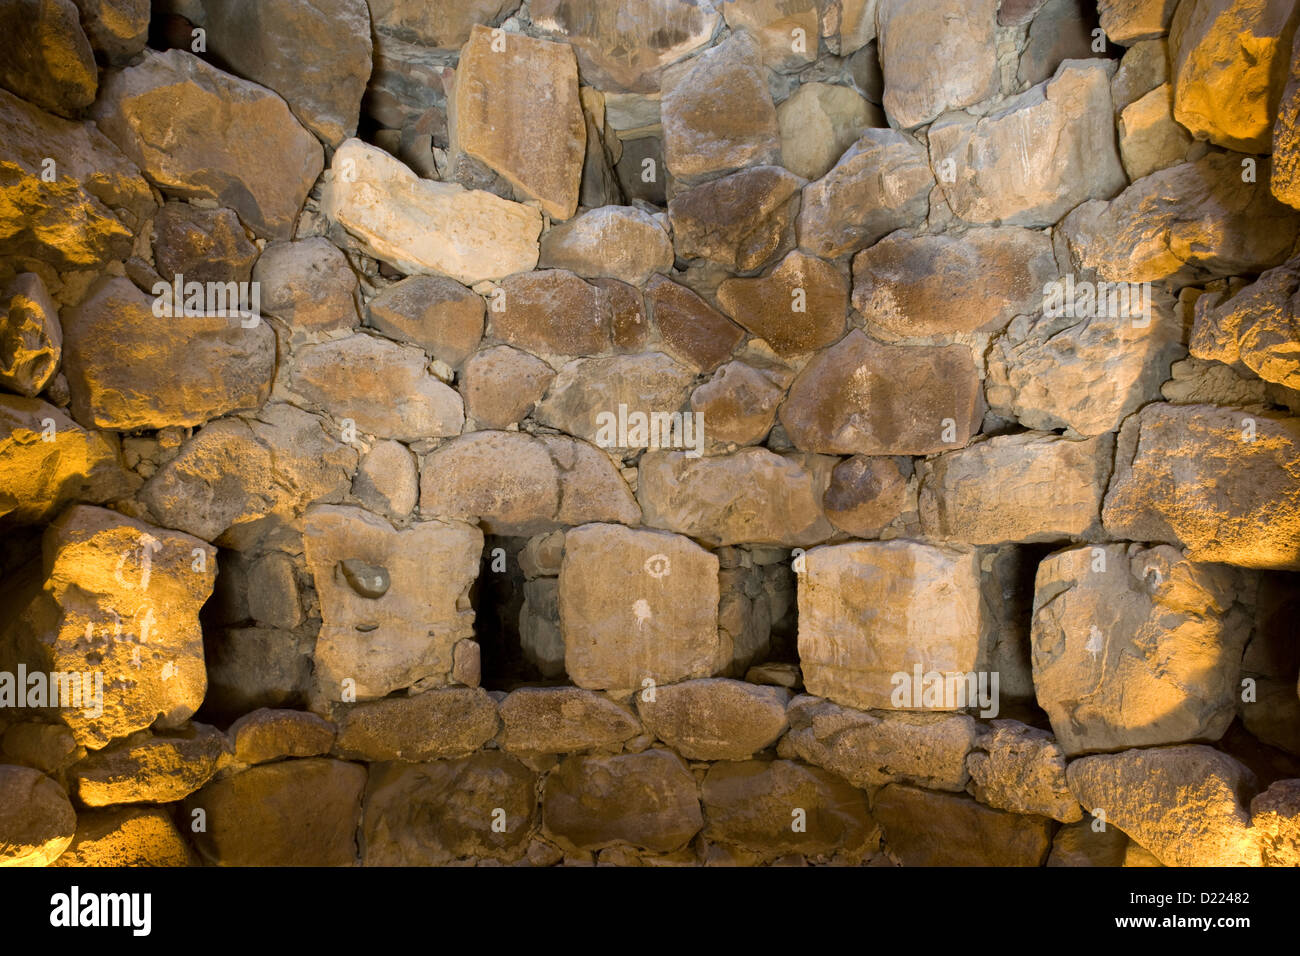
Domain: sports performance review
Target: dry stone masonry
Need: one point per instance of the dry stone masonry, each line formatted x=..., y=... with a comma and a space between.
x=652, y=432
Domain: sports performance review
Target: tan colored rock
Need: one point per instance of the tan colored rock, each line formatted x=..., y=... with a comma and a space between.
x=636, y=605
x=37, y=822
x=1186, y=474
x=923, y=828
x=591, y=487
x=1188, y=223
x=502, y=385
x=127, y=836
x=786, y=30
x=123, y=375
x=1285, y=180
x=881, y=183
x=916, y=286
x=308, y=284
x=862, y=397
x=1256, y=327
x=238, y=143
x=47, y=59
x=936, y=56
x=1061, y=30
x=404, y=634
x=866, y=494
x=118, y=29
x=1144, y=66
x=444, y=722
x=426, y=227
x=254, y=667
x=1150, y=138
x=1185, y=804
x=480, y=807
x=648, y=800
x=818, y=122
x=871, y=749
x=149, y=768
x=203, y=245
x=742, y=221
x=436, y=313
x=616, y=242
x=1029, y=486
x=266, y=735
x=1038, y=156
x=514, y=106
x=715, y=719
x=342, y=377
x=387, y=480
x=625, y=47
x=1228, y=64
x=752, y=496
x=31, y=339
x=629, y=326
x=1128, y=20
x=49, y=748
x=753, y=804
x=117, y=598
x=1022, y=769
x=273, y=591
x=717, y=112
x=1078, y=844
x=555, y=720
x=550, y=312
x=1275, y=815
x=739, y=403
x=1195, y=381
x=446, y=27
x=691, y=329
x=86, y=216
x=293, y=813
x=871, y=611
x=798, y=307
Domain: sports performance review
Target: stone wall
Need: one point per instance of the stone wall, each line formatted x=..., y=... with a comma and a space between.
x=653, y=433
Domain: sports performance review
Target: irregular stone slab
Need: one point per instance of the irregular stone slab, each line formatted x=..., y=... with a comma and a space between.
x=314, y=53
x=936, y=56
x=692, y=330
x=739, y=402
x=234, y=473
x=145, y=768
x=343, y=377
x=273, y=591
x=557, y=720
x=1150, y=138
x=253, y=667
x=47, y=460
x=918, y=286
x=31, y=339
x=501, y=385
x=1190, y=223
x=818, y=122
x=753, y=496
x=1275, y=815
x=47, y=59
x=798, y=307
x=1030, y=486
x=717, y=112
x=1061, y=30
x=755, y=804
x=881, y=183
x=445, y=722
x=436, y=313
x=388, y=480
x=1038, y=156
x=239, y=144
x=1185, y=804
x=406, y=634
x=741, y=221
x=426, y=227
x=480, y=807
x=1144, y=66
x=1255, y=327
x=871, y=611
x=123, y=375
x=118, y=29
x=550, y=312
x=447, y=27
x=266, y=735
x=203, y=245
x=86, y=216
x=923, y=828
x=617, y=242
x=117, y=597
x=1022, y=769
x=786, y=30
x=1135, y=647
x=36, y=820
x=1128, y=20
x=1285, y=180
x=716, y=719
x=1078, y=844
x=309, y=284
x=867, y=494
x=515, y=484
x=127, y=836
x=861, y=397
x=857, y=23
x=1185, y=474
x=636, y=605
x=514, y=106
x=1228, y=61
x=1085, y=373
x=294, y=813
x=873, y=748
x=647, y=800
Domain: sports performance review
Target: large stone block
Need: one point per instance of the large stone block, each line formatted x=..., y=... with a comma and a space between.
x=37, y=822
x=923, y=828
x=742, y=221
x=1257, y=327
x=444, y=722
x=47, y=58
x=715, y=718
x=1022, y=769
x=556, y=720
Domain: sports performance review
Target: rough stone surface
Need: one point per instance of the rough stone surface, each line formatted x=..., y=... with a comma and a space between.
x=818, y=122
x=616, y=242
x=739, y=402
x=47, y=58
x=798, y=307
x=265, y=735
x=1258, y=327
x=31, y=339
x=445, y=722
x=558, y=720
x=36, y=820
x=1275, y=814
x=501, y=385
x=716, y=719
x=1128, y=20
x=127, y=836
x=866, y=494
x=434, y=312
x=692, y=330
x=203, y=245
x=117, y=29
x=742, y=221
x=550, y=312
x=1019, y=768
x=387, y=480
x=1285, y=179
x=146, y=768
x=309, y=285
x=1149, y=137
x=941, y=829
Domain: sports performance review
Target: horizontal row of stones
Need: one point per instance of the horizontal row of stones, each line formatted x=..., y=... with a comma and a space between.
x=945, y=789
